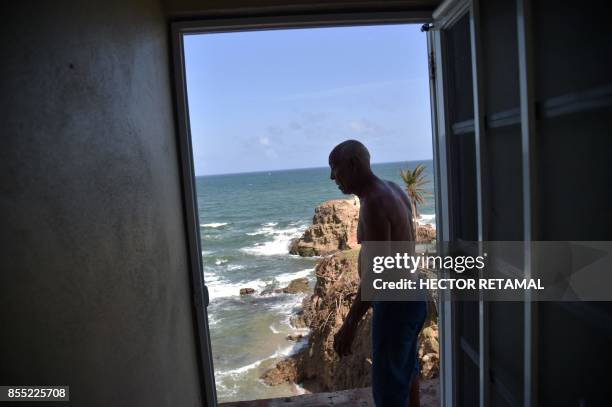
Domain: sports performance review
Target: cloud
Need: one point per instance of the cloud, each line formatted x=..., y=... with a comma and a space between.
x=366, y=128
x=347, y=90
x=275, y=130
x=309, y=126
x=270, y=153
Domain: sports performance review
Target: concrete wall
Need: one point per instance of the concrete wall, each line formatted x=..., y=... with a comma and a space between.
x=94, y=283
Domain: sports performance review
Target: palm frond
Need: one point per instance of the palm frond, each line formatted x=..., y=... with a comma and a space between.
x=414, y=181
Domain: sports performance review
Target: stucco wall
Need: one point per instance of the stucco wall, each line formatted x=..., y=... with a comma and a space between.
x=94, y=283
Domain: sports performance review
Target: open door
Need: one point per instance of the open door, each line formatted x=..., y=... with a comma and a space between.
x=499, y=166
x=477, y=142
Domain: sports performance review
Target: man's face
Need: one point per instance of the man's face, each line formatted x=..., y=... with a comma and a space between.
x=340, y=173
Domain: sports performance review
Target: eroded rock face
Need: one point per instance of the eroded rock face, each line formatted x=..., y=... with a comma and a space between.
x=425, y=233
x=317, y=367
x=285, y=371
x=334, y=228
x=429, y=352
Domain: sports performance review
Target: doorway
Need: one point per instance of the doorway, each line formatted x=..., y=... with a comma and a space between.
x=269, y=232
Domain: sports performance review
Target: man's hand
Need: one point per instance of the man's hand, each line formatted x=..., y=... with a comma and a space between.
x=344, y=338
x=346, y=335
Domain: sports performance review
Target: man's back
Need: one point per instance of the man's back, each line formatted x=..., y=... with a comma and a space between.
x=388, y=199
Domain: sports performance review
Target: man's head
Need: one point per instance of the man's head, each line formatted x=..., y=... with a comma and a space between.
x=350, y=165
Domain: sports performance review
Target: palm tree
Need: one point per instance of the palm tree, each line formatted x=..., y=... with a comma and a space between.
x=415, y=181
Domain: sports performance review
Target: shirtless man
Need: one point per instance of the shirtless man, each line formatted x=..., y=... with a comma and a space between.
x=385, y=215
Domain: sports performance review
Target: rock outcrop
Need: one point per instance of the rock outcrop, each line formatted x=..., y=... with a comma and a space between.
x=425, y=233
x=296, y=286
x=284, y=371
x=429, y=351
x=334, y=228
x=299, y=285
x=317, y=367
x=247, y=291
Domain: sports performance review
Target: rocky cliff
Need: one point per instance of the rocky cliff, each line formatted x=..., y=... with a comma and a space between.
x=425, y=233
x=334, y=228
x=317, y=367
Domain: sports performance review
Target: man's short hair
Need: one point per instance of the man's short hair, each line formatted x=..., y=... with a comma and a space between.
x=351, y=149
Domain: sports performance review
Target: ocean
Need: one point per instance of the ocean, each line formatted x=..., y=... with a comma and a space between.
x=246, y=224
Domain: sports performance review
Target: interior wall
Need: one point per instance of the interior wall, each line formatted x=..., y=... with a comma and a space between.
x=94, y=282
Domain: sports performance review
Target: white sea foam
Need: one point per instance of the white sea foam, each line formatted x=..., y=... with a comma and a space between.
x=223, y=388
x=208, y=236
x=219, y=288
x=265, y=229
x=258, y=232
x=299, y=389
x=427, y=219
x=239, y=370
x=274, y=330
x=207, y=252
x=213, y=224
x=212, y=320
x=279, y=243
x=287, y=309
x=284, y=352
x=290, y=350
x=210, y=277
x=288, y=277
x=219, y=262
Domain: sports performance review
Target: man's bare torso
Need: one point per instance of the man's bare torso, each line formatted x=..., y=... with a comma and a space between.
x=388, y=199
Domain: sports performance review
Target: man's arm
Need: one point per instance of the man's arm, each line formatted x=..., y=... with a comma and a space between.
x=376, y=228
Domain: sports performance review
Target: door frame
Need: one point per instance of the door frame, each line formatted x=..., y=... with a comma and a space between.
x=178, y=30
x=444, y=17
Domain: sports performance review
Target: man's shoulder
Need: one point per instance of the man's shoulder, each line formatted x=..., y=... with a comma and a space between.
x=377, y=202
x=387, y=192
x=378, y=198
x=388, y=199
x=396, y=187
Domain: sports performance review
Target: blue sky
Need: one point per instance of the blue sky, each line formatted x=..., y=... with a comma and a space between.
x=279, y=99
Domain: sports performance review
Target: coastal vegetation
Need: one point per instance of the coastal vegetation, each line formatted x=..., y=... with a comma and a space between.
x=415, y=182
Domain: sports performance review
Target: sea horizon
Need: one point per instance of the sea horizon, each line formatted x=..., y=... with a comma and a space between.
x=306, y=168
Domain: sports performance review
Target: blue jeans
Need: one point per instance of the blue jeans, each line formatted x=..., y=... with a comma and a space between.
x=395, y=331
